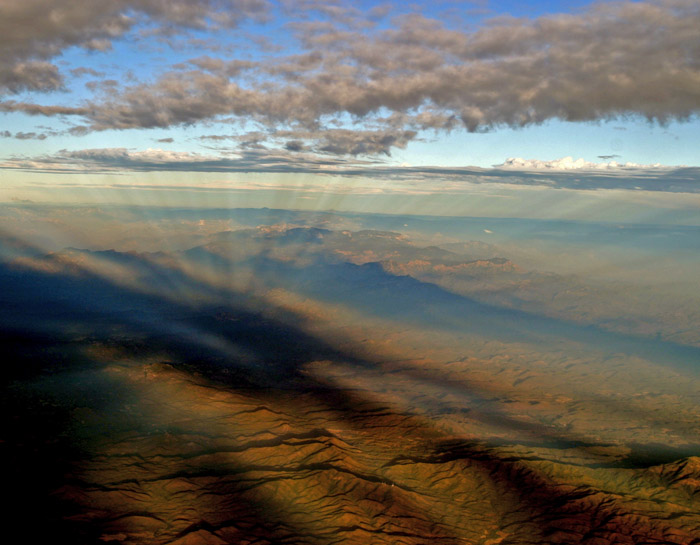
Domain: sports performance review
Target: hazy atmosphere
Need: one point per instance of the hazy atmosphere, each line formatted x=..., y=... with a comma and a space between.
x=324, y=272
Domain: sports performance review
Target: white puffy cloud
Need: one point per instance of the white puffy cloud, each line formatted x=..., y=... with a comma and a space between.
x=569, y=163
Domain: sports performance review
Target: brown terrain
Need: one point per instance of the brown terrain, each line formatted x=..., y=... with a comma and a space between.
x=287, y=417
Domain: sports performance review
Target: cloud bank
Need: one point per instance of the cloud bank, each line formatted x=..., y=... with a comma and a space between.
x=564, y=173
x=377, y=87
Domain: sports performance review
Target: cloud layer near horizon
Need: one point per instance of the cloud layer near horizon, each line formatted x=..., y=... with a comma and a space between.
x=561, y=173
x=353, y=87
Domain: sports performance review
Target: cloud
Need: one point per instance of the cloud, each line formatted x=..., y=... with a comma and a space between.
x=35, y=75
x=338, y=11
x=122, y=158
x=346, y=141
x=40, y=109
x=24, y=135
x=34, y=31
x=557, y=174
x=569, y=163
x=117, y=160
x=85, y=71
x=30, y=136
x=219, y=66
x=355, y=89
x=294, y=145
x=349, y=142
x=326, y=141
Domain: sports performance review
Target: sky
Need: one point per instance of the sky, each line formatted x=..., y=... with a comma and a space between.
x=489, y=107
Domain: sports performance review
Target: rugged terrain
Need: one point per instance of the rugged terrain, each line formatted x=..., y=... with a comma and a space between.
x=246, y=391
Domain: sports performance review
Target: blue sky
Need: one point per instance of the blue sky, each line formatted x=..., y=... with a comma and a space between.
x=300, y=88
